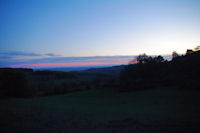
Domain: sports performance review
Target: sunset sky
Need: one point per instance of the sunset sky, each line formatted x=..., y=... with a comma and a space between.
x=53, y=33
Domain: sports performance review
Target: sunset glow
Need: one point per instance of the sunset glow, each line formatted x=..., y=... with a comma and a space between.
x=34, y=31
x=48, y=65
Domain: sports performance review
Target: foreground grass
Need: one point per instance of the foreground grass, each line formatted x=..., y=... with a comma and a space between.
x=104, y=110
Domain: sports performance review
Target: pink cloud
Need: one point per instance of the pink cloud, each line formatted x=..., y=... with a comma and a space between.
x=40, y=65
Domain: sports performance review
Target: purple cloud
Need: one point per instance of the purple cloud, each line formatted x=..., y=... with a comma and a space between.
x=52, y=54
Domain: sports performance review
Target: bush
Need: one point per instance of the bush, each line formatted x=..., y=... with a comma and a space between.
x=14, y=83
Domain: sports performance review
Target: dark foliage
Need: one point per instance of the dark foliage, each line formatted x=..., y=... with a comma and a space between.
x=14, y=83
x=55, y=74
x=149, y=72
x=27, y=83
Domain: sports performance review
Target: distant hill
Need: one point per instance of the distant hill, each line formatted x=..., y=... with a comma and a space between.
x=83, y=68
x=88, y=69
x=105, y=70
x=64, y=69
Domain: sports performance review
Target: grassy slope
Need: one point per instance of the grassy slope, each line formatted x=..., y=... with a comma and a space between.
x=102, y=106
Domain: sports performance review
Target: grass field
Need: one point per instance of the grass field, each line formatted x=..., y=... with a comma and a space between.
x=104, y=110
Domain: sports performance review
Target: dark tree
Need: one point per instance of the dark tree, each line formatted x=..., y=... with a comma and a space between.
x=142, y=58
x=13, y=83
x=174, y=55
x=197, y=48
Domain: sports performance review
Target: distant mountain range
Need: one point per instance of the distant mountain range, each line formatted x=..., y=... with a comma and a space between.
x=85, y=68
x=105, y=70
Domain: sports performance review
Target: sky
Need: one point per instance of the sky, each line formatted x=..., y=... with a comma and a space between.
x=38, y=33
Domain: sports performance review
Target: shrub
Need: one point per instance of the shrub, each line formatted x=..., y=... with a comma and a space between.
x=14, y=83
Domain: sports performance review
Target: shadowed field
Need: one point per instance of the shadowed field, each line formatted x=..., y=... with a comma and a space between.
x=104, y=111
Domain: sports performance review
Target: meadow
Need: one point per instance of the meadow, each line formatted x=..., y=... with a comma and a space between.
x=104, y=111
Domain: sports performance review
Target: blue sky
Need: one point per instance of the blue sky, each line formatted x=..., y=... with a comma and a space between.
x=82, y=28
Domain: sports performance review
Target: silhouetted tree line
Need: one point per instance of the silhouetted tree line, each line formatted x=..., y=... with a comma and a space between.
x=29, y=83
x=149, y=72
x=14, y=83
x=155, y=72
